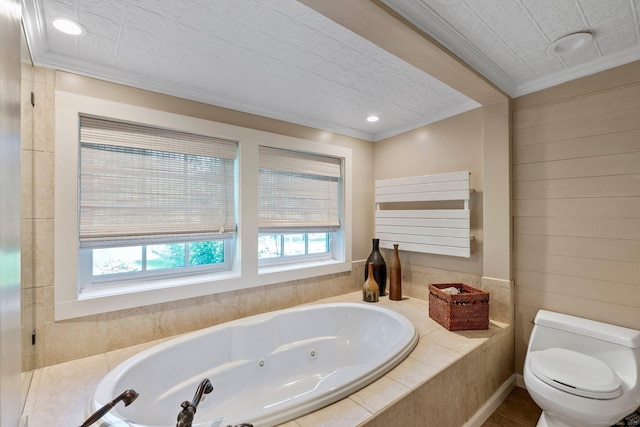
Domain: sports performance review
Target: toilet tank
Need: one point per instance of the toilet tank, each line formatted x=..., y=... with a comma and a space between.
x=617, y=346
x=589, y=328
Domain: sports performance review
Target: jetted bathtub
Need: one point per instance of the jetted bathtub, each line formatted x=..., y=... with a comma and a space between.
x=265, y=369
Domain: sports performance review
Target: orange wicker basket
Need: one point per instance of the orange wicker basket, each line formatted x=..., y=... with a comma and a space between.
x=467, y=310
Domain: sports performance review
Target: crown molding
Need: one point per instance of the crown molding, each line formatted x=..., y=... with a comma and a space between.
x=98, y=71
x=582, y=70
x=452, y=40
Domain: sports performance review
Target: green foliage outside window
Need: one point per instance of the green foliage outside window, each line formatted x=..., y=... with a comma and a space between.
x=203, y=253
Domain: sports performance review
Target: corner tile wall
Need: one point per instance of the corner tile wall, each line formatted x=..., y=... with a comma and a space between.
x=416, y=280
x=37, y=207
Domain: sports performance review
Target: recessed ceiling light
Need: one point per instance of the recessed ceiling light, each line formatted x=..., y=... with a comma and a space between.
x=68, y=26
x=571, y=42
x=373, y=118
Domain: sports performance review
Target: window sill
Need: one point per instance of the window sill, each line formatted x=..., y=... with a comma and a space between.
x=121, y=297
x=303, y=270
x=104, y=299
x=125, y=288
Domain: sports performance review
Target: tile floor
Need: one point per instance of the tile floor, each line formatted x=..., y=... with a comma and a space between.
x=517, y=410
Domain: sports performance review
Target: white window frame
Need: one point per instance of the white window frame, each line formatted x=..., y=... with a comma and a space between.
x=245, y=273
x=289, y=259
x=111, y=281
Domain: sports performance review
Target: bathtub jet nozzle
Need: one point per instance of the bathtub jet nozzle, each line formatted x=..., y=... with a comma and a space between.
x=185, y=417
x=127, y=396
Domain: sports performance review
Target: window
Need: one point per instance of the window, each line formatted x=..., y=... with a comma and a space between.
x=186, y=243
x=298, y=205
x=153, y=202
x=293, y=245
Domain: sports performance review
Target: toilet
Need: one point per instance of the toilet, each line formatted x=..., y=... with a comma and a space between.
x=581, y=372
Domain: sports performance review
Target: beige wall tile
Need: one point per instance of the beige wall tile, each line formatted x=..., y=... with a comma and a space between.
x=128, y=327
x=76, y=339
x=430, y=352
x=492, y=367
x=26, y=117
x=501, y=298
x=475, y=371
x=400, y=414
x=26, y=184
x=345, y=413
x=26, y=253
x=62, y=390
x=43, y=233
x=43, y=189
x=441, y=401
x=48, y=292
x=507, y=354
x=412, y=372
x=379, y=394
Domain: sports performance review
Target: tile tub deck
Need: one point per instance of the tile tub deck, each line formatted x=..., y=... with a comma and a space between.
x=443, y=382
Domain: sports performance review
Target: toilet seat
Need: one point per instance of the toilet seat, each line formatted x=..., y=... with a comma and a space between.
x=575, y=373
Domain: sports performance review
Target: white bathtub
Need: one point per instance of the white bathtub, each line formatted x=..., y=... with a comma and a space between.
x=265, y=369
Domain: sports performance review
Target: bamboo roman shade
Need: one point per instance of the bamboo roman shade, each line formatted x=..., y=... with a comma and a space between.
x=298, y=191
x=139, y=182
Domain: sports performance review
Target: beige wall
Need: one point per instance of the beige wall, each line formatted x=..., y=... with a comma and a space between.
x=450, y=145
x=468, y=141
x=576, y=179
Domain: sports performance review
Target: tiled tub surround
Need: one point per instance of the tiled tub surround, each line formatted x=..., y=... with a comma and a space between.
x=445, y=381
x=62, y=341
x=68, y=340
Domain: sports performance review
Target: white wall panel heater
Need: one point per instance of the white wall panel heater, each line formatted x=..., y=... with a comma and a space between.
x=418, y=228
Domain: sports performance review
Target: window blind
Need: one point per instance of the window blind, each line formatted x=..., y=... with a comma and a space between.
x=297, y=191
x=139, y=182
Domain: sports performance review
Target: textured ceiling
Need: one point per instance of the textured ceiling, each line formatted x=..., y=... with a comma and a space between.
x=280, y=59
x=277, y=58
x=507, y=40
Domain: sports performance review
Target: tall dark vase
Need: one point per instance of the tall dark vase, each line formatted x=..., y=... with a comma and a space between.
x=379, y=267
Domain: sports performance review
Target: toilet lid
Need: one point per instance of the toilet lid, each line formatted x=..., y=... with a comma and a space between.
x=576, y=373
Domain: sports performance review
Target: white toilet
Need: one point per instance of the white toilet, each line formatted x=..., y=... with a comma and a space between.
x=582, y=372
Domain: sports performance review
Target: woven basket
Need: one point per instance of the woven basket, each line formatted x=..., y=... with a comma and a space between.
x=467, y=310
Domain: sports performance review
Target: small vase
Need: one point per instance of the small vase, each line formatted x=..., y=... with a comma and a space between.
x=395, y=277
x=379, y=267
x=370, y=289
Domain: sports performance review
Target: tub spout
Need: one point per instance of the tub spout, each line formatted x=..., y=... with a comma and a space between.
x=185, y=417
x=127, y=396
